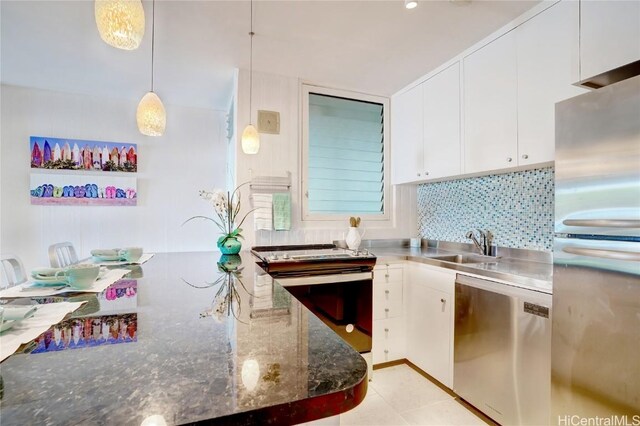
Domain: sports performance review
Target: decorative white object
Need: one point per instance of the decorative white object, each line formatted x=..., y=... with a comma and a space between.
x=151, y=115
x=250, y=140
x=354, y=238
x=120, y=22
x=250, y=136
x=410, y=4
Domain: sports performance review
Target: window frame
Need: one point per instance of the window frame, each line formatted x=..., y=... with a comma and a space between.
x=307, y=89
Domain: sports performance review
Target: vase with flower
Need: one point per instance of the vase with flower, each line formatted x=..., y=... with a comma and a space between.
x=226, y=301
x=226, y=206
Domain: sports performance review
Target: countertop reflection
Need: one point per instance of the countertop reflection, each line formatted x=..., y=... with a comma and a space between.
x=215, y=340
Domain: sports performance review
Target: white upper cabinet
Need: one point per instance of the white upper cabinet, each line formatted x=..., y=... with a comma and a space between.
x=406, y=136
x=490, y=106
x=493, y=107
x=548, y=65
x=609, y=35
x=441, y=103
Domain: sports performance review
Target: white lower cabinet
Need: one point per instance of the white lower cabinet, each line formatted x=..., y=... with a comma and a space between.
x=388, y=313
x=429, y=315
x=389, y=340
x=413, y=317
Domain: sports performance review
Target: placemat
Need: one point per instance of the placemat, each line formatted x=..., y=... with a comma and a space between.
x=26, y=330
x=145, y=257
x=24, y=290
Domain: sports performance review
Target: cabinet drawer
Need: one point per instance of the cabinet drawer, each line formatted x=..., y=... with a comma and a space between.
x=385, y=355
x=387, y=274
x=389, y=331
x=388, y=340
x=387, y=300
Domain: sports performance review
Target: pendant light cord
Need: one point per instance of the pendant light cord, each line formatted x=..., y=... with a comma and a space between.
x=153, y=37
x=251, y=33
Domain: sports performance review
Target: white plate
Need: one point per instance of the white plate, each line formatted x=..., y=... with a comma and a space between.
x=108, y=258
x=46, y=279
x=49, y=282
x=45, y=272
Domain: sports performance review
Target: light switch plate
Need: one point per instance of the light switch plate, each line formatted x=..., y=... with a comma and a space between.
x=269, y=122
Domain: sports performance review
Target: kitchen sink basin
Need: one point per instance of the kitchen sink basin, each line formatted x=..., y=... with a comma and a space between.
x=466, y=258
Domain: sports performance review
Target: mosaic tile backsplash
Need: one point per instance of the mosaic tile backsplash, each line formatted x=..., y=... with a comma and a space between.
x=516, y=207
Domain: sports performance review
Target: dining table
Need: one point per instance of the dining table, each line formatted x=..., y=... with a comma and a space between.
x=186, y=338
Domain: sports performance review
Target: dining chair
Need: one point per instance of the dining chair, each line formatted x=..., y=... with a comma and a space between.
x=13, y=270
x=62, y=255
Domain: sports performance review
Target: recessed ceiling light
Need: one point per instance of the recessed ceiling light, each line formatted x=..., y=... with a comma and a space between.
x=410, y=4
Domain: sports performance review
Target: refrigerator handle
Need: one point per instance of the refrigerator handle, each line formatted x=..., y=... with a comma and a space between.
x=603, y=223
x=605, y=254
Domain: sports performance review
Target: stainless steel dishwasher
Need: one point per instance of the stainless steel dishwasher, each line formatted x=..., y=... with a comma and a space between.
x=502, y=350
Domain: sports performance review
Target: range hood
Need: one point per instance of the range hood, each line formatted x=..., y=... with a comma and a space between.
x=615, y=75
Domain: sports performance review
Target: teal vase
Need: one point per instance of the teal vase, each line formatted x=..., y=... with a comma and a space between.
x=229, y=262
x=231, y=246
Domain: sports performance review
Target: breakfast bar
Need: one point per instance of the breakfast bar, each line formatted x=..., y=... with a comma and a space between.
x=217, y=340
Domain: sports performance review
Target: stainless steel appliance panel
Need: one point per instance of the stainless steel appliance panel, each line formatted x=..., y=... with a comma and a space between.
x=596, y=329
x=502, y=346
x=597, y=162
x=617, y=256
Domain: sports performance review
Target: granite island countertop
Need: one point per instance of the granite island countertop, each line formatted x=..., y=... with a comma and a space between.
x=249, y=354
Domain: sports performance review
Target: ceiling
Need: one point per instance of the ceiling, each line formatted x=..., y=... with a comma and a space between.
x=375, y=47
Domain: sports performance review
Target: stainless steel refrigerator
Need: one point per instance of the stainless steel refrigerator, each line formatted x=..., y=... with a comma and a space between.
x=596, y=276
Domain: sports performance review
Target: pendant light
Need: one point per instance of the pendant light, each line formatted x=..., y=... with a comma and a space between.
x=410, y=4
x=151, y=116
x=250, y=136
x=120, y=22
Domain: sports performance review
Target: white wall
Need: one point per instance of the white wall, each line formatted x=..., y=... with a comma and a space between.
x=171, y=170
x=281, y=153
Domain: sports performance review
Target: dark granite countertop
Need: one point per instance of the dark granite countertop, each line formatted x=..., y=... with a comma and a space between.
x=179, y=353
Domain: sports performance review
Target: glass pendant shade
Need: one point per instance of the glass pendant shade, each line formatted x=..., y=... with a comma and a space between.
x=250, y=374
x=250, y=140
x=120, y=22
x=151, y=116
x=410, y=4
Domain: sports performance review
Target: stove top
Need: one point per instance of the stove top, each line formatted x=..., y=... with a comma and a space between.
x=303, y=253
x=312, y=258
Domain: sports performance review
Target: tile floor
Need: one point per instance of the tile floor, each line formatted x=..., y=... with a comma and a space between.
x=399, y=395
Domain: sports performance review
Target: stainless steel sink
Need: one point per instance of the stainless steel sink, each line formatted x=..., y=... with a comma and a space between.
x=466, y=258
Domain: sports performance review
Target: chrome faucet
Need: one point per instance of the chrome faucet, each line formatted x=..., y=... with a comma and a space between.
x=483, y=247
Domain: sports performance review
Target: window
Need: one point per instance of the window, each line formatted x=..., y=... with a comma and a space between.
x=344, y=162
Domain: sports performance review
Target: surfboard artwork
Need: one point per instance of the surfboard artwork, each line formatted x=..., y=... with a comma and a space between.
x=46, y=153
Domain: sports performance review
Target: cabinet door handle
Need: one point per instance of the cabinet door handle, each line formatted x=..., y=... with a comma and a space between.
x=442, y=300
x=386, y=309
x=509, y=159
x=386, y=292
x=386, y=275
x=386, y=351
x=525, y=156
x=386, y=330
x=426, y=173
x=418, y=174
